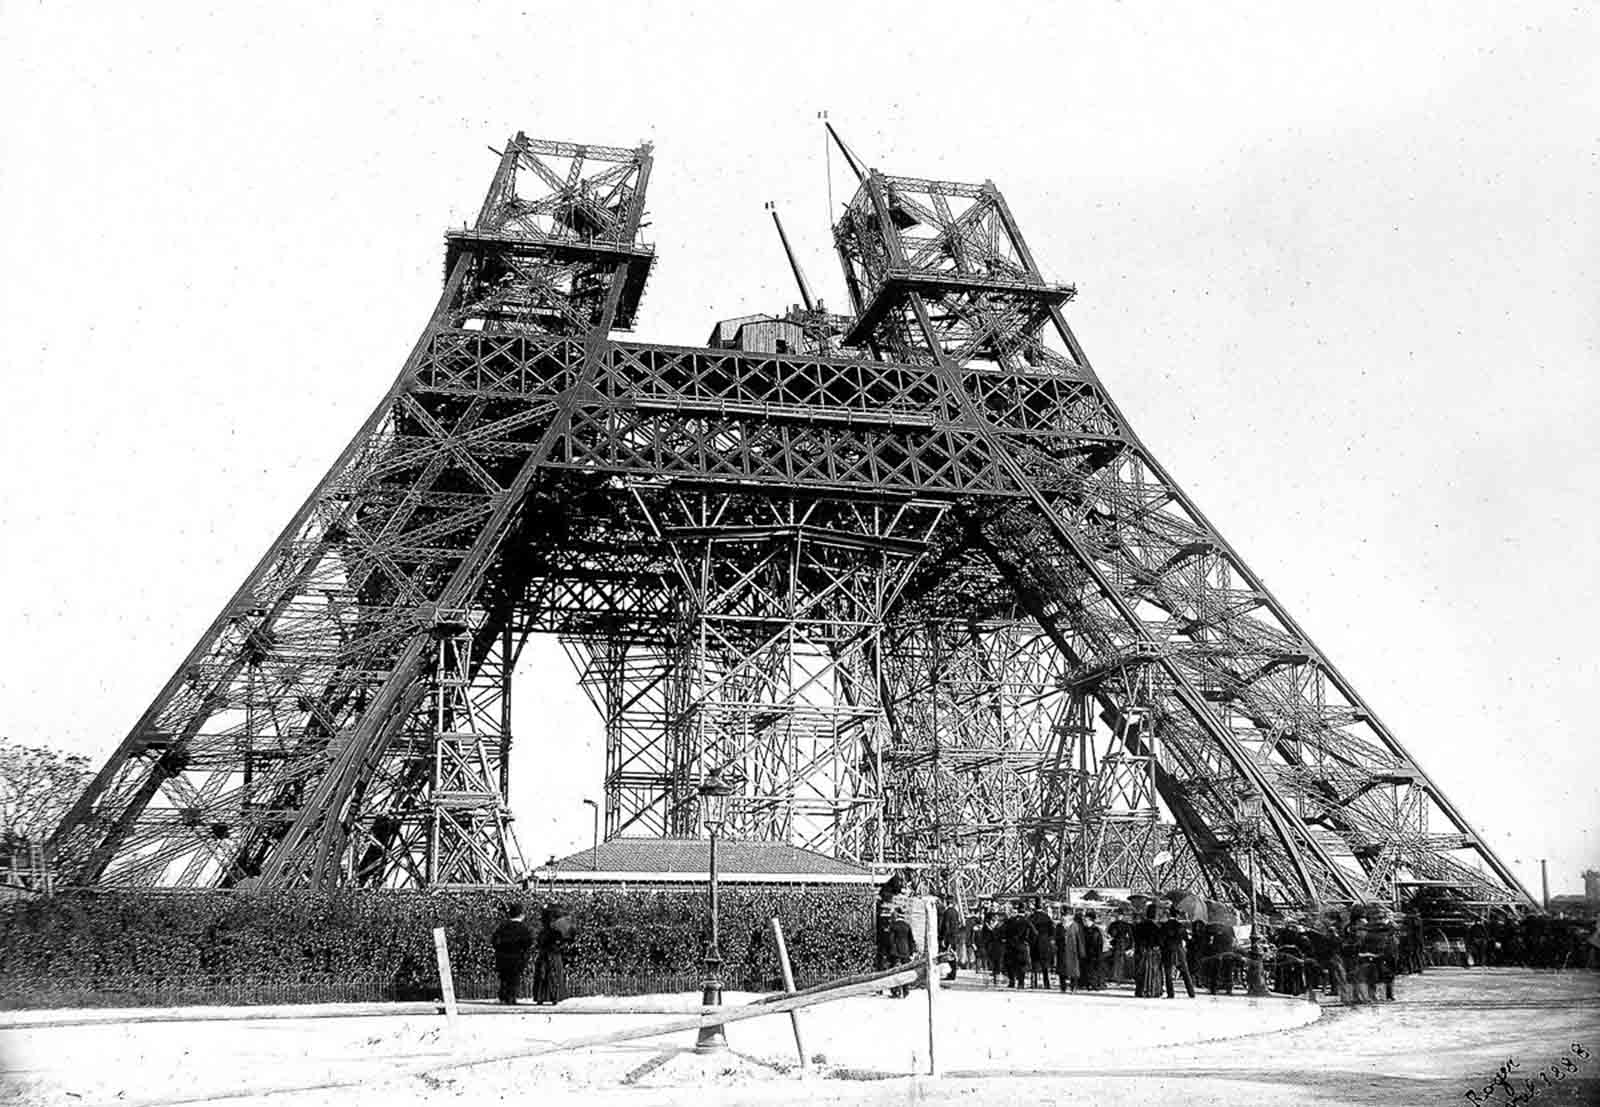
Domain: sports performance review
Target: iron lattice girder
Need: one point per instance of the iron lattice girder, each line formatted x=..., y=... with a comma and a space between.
x=519, y=467
x=972, y=707
x=1103, y=586
x=781, y=420
x=408, y=517
x=784, y=599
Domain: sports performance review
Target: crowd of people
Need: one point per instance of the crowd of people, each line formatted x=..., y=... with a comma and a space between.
x=1025, y=940
x=1355, y=953
x=1534, y=941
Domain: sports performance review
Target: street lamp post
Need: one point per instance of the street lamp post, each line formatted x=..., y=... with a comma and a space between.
x=594, y=842
x=714, y=793
x=1250, y=809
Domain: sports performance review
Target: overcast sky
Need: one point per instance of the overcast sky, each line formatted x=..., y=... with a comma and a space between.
x=1338, y=268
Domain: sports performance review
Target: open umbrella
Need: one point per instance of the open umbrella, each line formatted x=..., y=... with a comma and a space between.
x=1220, y=914
x=1188, y=905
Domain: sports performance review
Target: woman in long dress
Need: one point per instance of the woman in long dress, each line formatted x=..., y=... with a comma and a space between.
x=1069, y=950
x=1147, y=956
x=556, y=931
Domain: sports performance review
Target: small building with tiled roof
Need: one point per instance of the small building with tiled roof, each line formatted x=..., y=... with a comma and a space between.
x=687, y=861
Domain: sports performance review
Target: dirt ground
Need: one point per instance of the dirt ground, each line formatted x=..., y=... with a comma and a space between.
x=1447, y=1034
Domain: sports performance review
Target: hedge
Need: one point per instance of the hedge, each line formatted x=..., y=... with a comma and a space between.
x=106, y=948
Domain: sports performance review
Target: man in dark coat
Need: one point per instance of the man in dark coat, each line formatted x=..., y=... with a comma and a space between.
x=1357, y=965
x=992, y=939
x=1094, y=947
x=1019, y=940
x=1386, y=947
x=1044, y=946
x=1174, y=955
x=512, y=941
x=902, y=947
x=1197, y=949
x=1478, y=942
x=1289, y=973
x=1069, y=950
x=1203, y=946
x=952, y=934
x=1407, y=953
x=883, y=917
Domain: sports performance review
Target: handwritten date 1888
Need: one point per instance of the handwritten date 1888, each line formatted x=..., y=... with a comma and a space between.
x=1499, y=1089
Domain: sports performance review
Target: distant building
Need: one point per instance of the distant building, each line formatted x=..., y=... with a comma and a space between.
x=686, y=861
x=1570, y=905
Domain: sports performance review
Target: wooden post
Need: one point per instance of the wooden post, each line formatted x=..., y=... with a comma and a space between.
x=447, y=983
x=930, y=950
x=788, y=986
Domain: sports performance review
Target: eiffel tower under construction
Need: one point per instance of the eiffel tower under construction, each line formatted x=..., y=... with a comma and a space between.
x=906, y=576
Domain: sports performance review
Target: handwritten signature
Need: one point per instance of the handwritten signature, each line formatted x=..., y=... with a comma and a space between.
x=1499, y=1088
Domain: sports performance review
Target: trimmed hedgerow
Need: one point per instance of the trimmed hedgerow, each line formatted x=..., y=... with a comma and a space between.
x=128, y=948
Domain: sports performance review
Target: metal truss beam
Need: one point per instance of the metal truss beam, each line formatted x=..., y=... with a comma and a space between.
x=925, y=598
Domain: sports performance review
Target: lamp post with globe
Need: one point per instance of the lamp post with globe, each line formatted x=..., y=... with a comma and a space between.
x=1250, y=811
x=714, y=793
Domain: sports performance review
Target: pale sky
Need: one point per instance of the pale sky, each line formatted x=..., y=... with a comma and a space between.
x=1339, y=269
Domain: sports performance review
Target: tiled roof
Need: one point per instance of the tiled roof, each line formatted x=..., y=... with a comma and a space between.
x=689, y=857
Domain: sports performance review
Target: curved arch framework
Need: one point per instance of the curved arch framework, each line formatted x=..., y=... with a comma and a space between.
x=913, y=583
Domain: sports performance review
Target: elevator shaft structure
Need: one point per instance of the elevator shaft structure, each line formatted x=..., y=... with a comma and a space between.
x=907, y=577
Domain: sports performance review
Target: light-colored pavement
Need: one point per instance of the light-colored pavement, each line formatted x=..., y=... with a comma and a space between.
x=1447, y=1034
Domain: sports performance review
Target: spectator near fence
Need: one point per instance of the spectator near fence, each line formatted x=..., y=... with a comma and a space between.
x=512, y=942
x=556, y=934
x=883, y=920
x=902, y=947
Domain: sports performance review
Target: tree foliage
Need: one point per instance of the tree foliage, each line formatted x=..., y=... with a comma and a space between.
x=37, y=786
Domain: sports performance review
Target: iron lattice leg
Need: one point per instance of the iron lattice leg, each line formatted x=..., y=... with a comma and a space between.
x=907, y=576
